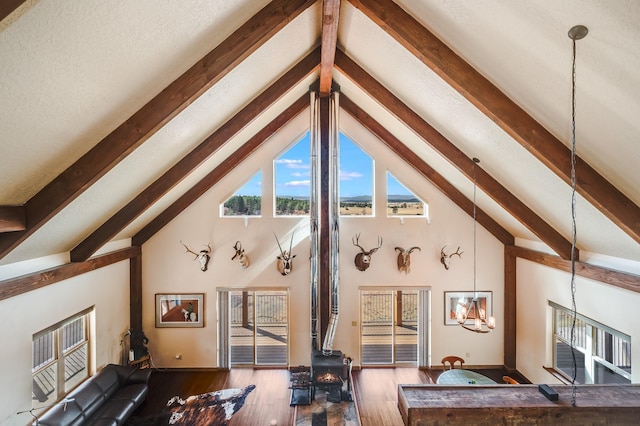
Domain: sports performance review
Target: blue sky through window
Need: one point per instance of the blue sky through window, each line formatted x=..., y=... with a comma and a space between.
x=252, y=187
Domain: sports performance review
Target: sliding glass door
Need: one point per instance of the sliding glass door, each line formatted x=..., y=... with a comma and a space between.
x=256, y=328
x=392, y=326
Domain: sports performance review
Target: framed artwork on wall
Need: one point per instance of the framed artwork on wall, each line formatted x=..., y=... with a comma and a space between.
x=179, y=310
x=455, y=300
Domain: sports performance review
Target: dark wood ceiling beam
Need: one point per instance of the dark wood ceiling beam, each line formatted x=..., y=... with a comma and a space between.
x=156, y=113
x=19, y=285
x=8, y=6
x=221, y=171
x=454, y=155
x=330, y=18
x=612, y=277
x=195, y=158
x=12, y=218
x=503, y=111
x=426, y=171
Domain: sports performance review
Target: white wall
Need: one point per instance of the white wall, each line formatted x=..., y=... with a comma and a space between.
x=106, y=289
x=167, y=269
x=537, y=285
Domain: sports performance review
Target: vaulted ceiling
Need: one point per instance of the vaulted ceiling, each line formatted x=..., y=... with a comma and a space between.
x=114, y=119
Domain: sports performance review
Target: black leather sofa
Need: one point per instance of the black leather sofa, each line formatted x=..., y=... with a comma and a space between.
x=106, y=399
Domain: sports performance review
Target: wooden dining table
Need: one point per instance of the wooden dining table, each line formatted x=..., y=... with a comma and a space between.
x=463, y=377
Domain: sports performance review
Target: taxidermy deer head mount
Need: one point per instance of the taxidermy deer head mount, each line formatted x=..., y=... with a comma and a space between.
x=203, y=257
x=445, y=259
x=404, y=258
x=285, y=260
x=243, y=259
x=363, y=259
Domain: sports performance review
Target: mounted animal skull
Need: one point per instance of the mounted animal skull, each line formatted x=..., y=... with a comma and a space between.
x=243, y=259
x=445, y=259
x=363, y=259
x=203, y=257
x=285, y=260
x=404, y=258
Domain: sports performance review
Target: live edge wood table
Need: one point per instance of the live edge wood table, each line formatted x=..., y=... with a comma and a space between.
x=518, y=405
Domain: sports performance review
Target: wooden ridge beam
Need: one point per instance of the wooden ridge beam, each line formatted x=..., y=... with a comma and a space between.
x=195, y=158
x=426, y=171
x=330, y=18
x=151, y=117
x=503, y=111
x=15, y=286
x=455, y=156
x=219, y=172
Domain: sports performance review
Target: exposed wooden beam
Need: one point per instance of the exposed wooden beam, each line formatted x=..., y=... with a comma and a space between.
x=219, y=172
x=195, y=158
x=135, y=292
x=412, y=159
x=510, y=309
x=8, y=6
x=330, y=18
x=12, y=218
x=15, y=286
x=598, y=273
x=503, y=111
x=454, y=155
x=155, y=114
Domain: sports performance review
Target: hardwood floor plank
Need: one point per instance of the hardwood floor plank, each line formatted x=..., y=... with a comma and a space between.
x=375, y=391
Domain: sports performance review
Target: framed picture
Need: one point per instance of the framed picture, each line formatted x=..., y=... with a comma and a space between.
x=180, y=310
x=454, y=300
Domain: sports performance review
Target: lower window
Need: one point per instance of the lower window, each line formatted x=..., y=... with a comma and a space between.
x=602, y=355
x=60, y=356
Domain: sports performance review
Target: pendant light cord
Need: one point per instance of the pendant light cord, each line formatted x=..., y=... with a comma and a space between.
x=573, y=225
x=475, y=162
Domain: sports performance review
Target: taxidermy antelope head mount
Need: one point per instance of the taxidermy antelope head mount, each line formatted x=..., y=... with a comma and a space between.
x=243, y=259
x=445, y=259
x=404, y=258
x=203, y=257
x=285, y=260
x=363, y=259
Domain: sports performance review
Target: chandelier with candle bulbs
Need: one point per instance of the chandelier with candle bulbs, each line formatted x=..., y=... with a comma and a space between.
x=474, y=310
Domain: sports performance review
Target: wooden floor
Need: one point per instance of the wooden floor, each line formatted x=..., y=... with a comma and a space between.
x=375, y=390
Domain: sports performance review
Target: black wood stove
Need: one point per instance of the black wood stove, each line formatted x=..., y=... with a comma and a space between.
x=332, y=373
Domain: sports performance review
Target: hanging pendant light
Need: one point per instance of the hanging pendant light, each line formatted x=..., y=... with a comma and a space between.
x=577, y=32
x=474, y=310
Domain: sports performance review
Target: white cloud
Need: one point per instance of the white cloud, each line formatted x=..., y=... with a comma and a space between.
x=298, y=183
x=292, y=164
x=344, y=175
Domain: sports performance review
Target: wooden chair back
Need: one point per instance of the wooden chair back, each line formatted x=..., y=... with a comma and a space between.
x=510, y=380
x=451, y=360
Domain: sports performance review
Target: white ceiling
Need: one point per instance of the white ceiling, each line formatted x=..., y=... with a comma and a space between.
x=71, y=72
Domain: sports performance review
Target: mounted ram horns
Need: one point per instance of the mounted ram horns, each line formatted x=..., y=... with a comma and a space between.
x=363, y=259
x=243, y=259
x=203, y=257
x=285, y=260
x=445, y=259
x=404, y=258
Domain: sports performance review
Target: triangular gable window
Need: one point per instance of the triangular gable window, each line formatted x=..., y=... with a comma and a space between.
x=401, y=202
x=246, y=201
x=356, y=179
x=292, y=189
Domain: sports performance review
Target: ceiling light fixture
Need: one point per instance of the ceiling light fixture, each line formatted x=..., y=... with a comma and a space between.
x=575, y=33
x=475, y=310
